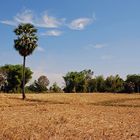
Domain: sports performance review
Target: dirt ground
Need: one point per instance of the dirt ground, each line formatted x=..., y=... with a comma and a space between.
x=70, y=117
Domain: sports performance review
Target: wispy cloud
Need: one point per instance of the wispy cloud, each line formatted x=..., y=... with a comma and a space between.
x=8, y=22
x=27, y=16
x=24, y=17
x=52, y=33
x=80, y=23
x=47, y=21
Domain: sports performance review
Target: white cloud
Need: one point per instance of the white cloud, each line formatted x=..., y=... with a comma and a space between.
x=80, y=23
x=52, y=33
x=12, y=23
x=47, y=21
x=27, y=16
x=24, y=17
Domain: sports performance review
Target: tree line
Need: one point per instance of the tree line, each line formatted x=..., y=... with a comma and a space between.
x=84, y=81
x=11, y=81
x=75, y=82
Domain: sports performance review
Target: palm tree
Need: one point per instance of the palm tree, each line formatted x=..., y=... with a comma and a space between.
x=25, y=44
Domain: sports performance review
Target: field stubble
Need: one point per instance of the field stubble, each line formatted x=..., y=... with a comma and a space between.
x=70, y=117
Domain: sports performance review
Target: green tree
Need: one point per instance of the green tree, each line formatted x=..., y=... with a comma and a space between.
x=71, y=80
x=129, y=87
x=13, y=77
x=88, y=74
x=77, y=81
x=25, y=44
x=92, y=85
x=114, y=84
x=100, y=83
x=55, y=88
x=135, y=79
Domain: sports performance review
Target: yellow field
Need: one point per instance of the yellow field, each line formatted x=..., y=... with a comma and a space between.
x=70, y=117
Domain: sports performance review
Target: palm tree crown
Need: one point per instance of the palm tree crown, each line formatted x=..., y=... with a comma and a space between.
x=27, y=39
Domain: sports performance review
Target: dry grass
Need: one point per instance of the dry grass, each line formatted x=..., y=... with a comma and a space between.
x=70, y=117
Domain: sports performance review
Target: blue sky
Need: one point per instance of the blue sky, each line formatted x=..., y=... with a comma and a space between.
x=102, y=35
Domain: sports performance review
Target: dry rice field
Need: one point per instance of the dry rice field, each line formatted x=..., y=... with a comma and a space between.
x=70, y=117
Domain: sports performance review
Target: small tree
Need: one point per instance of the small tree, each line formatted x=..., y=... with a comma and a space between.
x=25, y=44
x=43, y=80
x=55, y=88
x=39, y=85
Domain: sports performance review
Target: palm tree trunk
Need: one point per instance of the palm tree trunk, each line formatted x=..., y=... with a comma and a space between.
x=137, y=88
x=23, y=79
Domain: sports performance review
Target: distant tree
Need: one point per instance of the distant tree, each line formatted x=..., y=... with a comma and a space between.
x=114, y=84
x=3, y=79
x=43, y=81
x=25, y=44
x=92, y=85
x=13, y=77
x=135, y=79
x=40, y=85
x=129, y=87
x=55, y=88
x=77, y=81
x=100, y=83
x=71, y=80
x=88, y=74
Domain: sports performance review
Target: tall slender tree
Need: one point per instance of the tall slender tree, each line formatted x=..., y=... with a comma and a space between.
x=25, y=44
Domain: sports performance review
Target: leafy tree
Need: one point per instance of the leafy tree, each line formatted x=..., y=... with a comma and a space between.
x=135, y=79
x=71, y=80
x=77, y=81
x=100, y=83
x=114, y=84
x=129, y=87
x=92, y=85
x=87, y=77
x=55, y=88
x=25, y=44
x=13, y=77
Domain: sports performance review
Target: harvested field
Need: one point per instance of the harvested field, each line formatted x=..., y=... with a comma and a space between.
x=70, y=117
